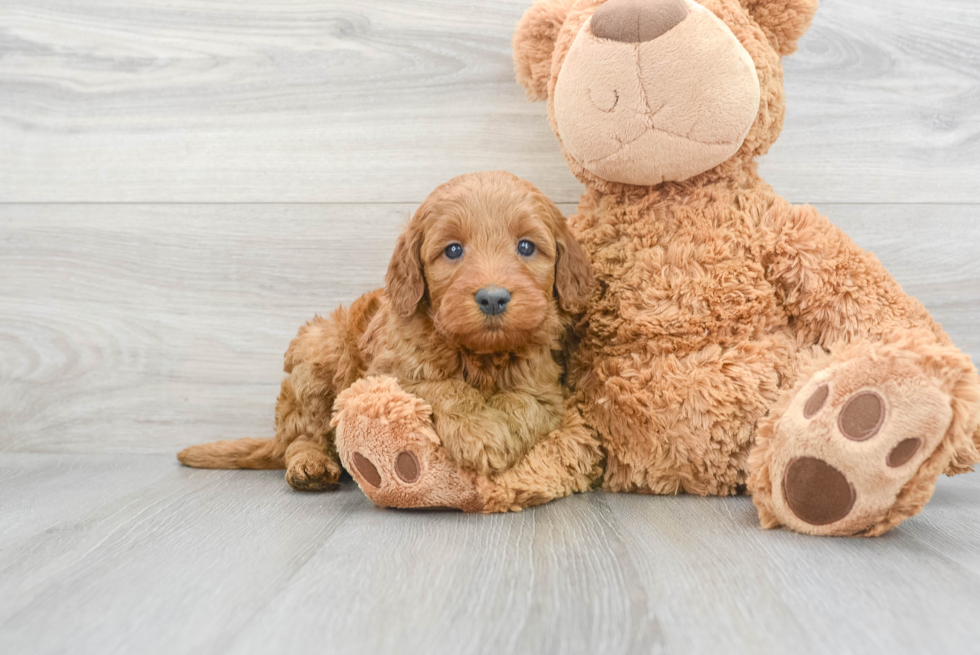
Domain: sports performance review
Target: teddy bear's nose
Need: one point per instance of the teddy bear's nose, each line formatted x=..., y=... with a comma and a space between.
x=636, y=21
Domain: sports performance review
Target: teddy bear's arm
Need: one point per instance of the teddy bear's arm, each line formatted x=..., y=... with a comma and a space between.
x=833, y=289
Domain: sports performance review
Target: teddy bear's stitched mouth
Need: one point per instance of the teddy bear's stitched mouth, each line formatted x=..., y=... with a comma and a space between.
x=623, y=144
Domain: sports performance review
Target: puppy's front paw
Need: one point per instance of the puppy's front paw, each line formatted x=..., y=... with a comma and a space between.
x=385, y=439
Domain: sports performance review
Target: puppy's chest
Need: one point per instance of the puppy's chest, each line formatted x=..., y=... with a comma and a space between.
x=678, y=281
x=500, y=374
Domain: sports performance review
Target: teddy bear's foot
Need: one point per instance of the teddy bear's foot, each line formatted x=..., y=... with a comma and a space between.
x=385, y=439
x=857, y=450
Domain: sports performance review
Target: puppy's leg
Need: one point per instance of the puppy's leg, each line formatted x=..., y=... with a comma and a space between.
x=303, y=428
x=488, y=436
x=303, y=442
x=321, y=360
x=303, y=432
x=312, y=464
x=569, y=460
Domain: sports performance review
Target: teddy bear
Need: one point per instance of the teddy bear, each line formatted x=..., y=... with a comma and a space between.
x=735, y=343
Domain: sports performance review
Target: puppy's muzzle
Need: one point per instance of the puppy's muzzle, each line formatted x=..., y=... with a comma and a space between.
x=492, y=300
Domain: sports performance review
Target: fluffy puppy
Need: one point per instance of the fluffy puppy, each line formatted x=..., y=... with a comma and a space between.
x=472, y=321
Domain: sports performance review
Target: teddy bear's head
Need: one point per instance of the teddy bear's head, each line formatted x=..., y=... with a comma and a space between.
x=642, y=92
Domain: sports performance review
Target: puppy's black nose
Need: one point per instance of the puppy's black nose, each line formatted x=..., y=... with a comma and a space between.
x=492, y=300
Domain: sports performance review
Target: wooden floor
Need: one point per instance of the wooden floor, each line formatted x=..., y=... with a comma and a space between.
x=183, y=183
x=128, y=553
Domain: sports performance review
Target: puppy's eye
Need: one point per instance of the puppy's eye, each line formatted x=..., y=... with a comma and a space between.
x=525, y=248
x=454, y=251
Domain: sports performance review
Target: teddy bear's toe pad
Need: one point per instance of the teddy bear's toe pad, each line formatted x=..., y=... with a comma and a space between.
x=407, y=467
x=849, y=442
x=367, y=470
x=817, y=492
x=385, y=439
x=397, y=464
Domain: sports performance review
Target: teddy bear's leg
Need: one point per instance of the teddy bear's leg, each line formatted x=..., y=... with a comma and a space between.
x=856, y=447
x=385, y=438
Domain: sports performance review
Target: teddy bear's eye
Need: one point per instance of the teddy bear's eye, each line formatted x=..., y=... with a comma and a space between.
x=525, y=248
x=454, y=251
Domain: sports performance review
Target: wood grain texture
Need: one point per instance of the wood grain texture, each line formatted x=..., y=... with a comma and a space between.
x=146, y=328
x=189, y=561
x=335, y=101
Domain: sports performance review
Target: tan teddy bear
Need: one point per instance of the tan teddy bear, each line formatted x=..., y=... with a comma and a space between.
x=736, y=342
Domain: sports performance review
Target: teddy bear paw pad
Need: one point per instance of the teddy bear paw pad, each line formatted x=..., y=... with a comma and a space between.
x=398, y=465
x=406, y=467
x=850, y=441
x=385, y=439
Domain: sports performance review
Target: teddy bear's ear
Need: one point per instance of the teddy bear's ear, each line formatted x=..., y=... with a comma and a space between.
x=783, y=21
x=534, y=42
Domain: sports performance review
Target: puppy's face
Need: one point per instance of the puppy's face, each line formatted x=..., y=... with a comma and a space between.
x=490, y=259
x=489, y=262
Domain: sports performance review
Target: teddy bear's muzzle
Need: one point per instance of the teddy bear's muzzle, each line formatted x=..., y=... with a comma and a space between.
x=654, y=91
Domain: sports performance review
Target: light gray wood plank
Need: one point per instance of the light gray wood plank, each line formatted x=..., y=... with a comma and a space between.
x=724, y=584
x=379, y=101
x=232, y=561
x=262, y=101
x=883, y=105
x=40, y=492
x=175, y=566
x=948, y=526
x=146, y=328
x=545, y=581
x=205, y=555
x=157, y=326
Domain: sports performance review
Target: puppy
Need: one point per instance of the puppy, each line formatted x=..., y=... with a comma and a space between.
x=479, y=297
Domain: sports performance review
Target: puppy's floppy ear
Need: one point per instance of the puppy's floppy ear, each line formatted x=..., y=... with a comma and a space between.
x=405, y=282
x=783, y=21
x=573, y=272
x=534, y=42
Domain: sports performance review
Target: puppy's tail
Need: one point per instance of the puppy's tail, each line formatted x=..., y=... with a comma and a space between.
x=235, y=454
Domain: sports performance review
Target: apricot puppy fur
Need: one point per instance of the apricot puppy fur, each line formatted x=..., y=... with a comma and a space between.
x=478, y=300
